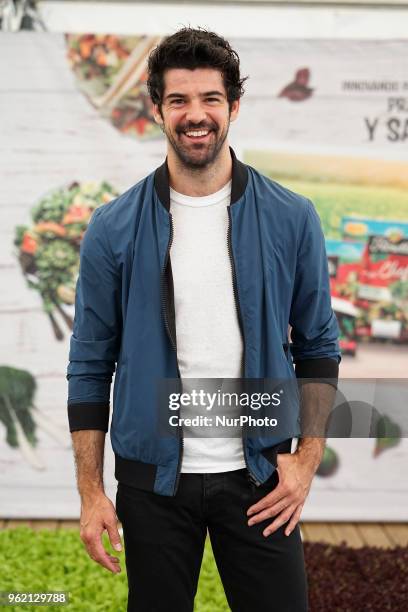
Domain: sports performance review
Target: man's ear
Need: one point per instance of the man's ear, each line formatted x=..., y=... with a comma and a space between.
x=156, y=115
x=234, y=110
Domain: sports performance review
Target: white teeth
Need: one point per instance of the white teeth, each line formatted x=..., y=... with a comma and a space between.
x=198, y=133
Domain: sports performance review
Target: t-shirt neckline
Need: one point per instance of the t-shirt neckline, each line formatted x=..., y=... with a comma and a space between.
x=196, y=201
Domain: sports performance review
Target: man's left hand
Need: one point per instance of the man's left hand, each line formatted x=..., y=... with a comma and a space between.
x=285, y=502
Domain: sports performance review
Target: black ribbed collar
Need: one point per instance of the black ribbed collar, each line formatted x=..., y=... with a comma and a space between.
x=238, y=186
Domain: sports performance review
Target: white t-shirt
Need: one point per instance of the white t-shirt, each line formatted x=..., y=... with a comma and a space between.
x=209, y=341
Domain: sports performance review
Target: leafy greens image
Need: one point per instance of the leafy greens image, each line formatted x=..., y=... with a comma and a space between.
x=22, y=419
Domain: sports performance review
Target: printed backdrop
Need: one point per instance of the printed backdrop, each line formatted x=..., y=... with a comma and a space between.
x=327, y=119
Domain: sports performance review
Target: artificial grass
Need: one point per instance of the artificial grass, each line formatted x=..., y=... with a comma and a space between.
x=56, y=560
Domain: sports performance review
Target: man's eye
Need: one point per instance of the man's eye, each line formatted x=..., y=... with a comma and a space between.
x=177, y=101
x=212, y=100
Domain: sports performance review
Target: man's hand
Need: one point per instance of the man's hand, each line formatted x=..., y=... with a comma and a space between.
x=97, y=515
x=286, y=500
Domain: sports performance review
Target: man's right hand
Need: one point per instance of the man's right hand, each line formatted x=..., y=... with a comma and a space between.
x=97, y=515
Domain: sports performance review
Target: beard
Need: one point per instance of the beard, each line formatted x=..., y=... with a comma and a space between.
x=195, y=156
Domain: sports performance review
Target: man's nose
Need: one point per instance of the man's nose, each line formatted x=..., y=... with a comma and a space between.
x=195, y=112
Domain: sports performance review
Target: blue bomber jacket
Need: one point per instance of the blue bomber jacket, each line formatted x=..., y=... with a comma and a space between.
x=125, y=319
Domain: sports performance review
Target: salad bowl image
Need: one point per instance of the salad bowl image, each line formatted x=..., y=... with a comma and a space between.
x=48, y=249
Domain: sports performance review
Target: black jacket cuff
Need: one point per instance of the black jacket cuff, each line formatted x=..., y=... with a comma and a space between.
x=325, y=370
x=88, y=415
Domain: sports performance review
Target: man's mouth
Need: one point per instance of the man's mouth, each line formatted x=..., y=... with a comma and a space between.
x=197, y=135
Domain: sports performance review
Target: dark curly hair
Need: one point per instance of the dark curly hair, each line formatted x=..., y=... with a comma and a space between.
x=194, y=48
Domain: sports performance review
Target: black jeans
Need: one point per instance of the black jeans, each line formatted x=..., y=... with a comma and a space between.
x=164, y=541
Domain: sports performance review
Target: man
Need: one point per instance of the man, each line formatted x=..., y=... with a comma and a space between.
x=196, y=272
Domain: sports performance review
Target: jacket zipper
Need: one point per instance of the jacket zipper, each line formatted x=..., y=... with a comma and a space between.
x=252, y=478
x=172, y=341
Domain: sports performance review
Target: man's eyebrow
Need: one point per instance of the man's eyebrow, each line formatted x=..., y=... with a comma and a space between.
x=204, y=95
x=213, y=93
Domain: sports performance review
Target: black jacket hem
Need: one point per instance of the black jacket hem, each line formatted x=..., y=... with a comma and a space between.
x=135, y=473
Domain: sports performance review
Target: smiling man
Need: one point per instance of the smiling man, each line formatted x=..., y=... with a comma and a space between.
x=196, y=272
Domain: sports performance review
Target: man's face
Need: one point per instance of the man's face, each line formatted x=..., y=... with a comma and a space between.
x=195, y=114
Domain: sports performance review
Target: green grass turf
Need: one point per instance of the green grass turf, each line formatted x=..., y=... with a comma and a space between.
x=55, y=560
x=336, y=200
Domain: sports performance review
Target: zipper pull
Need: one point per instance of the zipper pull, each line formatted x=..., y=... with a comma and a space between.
x=253, y=479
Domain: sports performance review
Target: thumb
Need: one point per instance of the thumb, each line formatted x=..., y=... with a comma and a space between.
x=114, y=536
